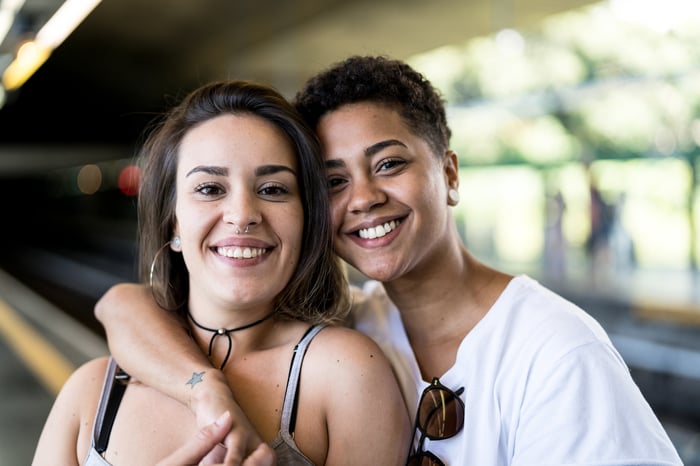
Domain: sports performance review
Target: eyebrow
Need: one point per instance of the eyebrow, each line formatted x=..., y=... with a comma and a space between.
x=381, y=145
x=272, y=169
x=211, y=170
x=369, y=151
x=223, y=171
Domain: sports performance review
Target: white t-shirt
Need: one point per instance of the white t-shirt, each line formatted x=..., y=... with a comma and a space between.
x=543, y=385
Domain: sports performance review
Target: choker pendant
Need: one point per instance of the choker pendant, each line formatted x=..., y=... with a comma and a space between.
x=226, y=331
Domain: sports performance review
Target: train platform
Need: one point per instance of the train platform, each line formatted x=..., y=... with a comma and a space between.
x=653, y=319
x=40, y=346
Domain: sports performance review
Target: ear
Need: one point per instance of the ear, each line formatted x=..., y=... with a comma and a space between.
x=451, y=162
x=451, y=169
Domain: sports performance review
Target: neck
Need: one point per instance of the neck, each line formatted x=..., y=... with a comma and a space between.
x=440, y=305
x=225, y=334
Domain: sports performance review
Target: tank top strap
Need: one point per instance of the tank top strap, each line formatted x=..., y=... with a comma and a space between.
x=291, y=396
x=112, y=391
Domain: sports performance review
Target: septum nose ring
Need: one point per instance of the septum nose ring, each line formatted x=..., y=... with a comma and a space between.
x=238, y=230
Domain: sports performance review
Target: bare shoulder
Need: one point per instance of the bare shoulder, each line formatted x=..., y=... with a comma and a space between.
x=348, y=379
x=345, y=350
x=345, y=340
x=87, y=378
x=65, y=437
x=82, y=390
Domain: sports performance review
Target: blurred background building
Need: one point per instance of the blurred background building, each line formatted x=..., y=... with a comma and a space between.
x=577, y=124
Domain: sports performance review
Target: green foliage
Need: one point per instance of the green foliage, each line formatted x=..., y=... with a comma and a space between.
x=585, y=85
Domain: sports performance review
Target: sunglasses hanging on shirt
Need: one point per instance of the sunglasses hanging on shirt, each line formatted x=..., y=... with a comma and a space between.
x=440, y=416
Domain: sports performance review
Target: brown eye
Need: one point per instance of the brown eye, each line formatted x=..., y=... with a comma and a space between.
x=390, y=164
x=334, y=182
x=209, y=189
x=273, y=190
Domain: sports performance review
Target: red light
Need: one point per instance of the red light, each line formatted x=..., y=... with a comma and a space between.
x=129, y=179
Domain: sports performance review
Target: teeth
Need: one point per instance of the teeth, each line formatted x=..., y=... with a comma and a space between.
x=379, y=230
x=241, y=253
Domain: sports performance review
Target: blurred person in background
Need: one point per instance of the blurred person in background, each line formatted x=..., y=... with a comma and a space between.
x=496, y=369
x=235, y=236
x=554, y=241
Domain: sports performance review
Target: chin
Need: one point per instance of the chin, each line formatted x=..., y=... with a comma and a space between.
x=373, y=265
x=379, y=273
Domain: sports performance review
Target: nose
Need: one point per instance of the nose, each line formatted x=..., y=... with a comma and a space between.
x=365, y=194
x=241, y=211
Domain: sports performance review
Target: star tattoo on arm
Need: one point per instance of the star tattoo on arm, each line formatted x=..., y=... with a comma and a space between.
x=195, y=379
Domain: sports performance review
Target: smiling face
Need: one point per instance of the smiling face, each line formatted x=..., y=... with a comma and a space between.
x=388, y=191
x=237, y=172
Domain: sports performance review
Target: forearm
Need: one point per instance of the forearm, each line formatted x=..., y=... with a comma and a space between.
x=152, y=345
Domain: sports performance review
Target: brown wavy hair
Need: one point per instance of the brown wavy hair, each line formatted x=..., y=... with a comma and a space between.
x=317, y=291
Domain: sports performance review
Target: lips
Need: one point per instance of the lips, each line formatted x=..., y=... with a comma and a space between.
x=379, y=230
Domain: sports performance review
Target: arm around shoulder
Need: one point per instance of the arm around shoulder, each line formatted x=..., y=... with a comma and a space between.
x=150, y=343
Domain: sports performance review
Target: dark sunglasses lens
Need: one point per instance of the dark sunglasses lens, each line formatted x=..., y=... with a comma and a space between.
x=440, y=414
x=424, y=459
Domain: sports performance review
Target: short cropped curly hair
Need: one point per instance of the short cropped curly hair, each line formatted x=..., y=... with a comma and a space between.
x=381, y=80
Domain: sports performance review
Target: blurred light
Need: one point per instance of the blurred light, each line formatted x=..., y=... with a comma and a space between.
x=30, y=57
x=129, y=180
x=510, y=41
x=64, y=21
x=89, y=179
x=8, y=11
x=665, y=141
x=660, y=15
x=34, y=53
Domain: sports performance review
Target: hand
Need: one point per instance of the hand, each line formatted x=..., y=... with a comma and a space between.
x=208, y=440
x=243, y=445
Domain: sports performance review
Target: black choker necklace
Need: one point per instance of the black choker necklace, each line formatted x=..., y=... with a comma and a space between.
x=226, y=331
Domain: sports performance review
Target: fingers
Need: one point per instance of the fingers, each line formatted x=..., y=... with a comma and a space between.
x=206, y=440
x=263, y=455
x=215, y=397
x=243, y=445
